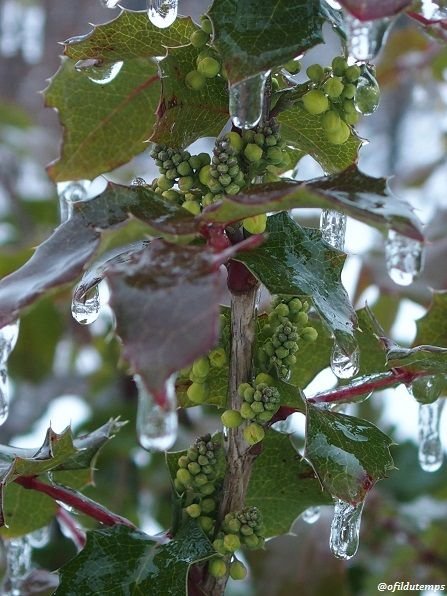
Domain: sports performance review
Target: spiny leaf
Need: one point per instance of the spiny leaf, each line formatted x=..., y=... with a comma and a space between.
x=256, y=36
x=282, y=485
x=105, y=124
x=126, y=561
x=349, y=455
x=363, y=197
x=432, y=327
x=185, y=115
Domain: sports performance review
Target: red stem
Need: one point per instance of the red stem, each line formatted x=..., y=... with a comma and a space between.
x=65, y=520
x=74, y=499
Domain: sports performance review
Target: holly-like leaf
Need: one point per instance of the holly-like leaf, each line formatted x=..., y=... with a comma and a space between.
x=106, y=123
x=185, y=115
x=256, y=36
x=430, y=359
x=363, y=197
x=349, y=455
x=130, y=35
x=305, y=131
x=282, y=485
x=294, y=260
x=432, y=327
x=126, y=561
x=368, y=10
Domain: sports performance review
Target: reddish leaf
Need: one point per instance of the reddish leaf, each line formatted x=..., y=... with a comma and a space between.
x=367, y=10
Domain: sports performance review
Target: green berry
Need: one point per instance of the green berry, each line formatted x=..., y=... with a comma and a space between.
x=193, y=510
x=352, y=73
x=219, y=547
x=315, y=102
x=274, y=155
x=265, y=416
x=339, y=65
x=185, y=183
x=206, y=523
x=246, y=411
x=295, y=305
x=257, y=407
x=207, y=489
x=217, y=358
x=339, y=136
x=281, y=352
x=231, y=542
x=205, y=175
x=201, y=366
x=242, y=388
x=208, y=505
x=253, y=433
x=255, y=224
x=293, y=66
x=333, y=87
x=231, y=418
x=238, y=571
x=331, y=121
x=309, y=334
x=184, y=169
x=264, y=378
x=349, y=91
x=252, y=541
x=351, y=117
x=195, y=80
x=199, y=38
x=183, y=461
x=206, y=25
x=235, y=141
x=179, y=486
x=315, y=72
x=194, y=467
x=164, y=183
x=233, y=525
x=217, y=567
x=209, y=67
x=192, y=206
x=184, y=477
x=197, y=393
x=253, y=152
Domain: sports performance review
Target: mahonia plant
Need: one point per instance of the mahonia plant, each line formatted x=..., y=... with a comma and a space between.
x=226, y=303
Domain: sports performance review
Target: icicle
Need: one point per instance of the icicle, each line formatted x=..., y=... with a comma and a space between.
x=403, y=257
x=8, y=339
x=246, y=101
x=430, y=447
x=426, y=390
x=86, y=310
x=333, y=228
x=138, y=182
x=18, y=562
x=311, y=515
x=345, y=358
x=162, y=13
x=345, y=529
x=365, y=38
x=69, y=193
x=367, y=94
x=156, y=424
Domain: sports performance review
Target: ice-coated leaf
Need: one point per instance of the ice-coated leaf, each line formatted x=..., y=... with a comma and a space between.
x=432, y=327
x=431, y=359
x=294, y=260
x=105, y=124
x=130, y=35
x=282, y=484
x=349, y=455
x=255, y=36
x=368, y=10
x=185, y=115
x=125, y=561
x=361, y=196
x=305, y=131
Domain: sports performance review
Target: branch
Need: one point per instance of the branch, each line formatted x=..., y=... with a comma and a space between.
x=74, y=499
x=66, y=521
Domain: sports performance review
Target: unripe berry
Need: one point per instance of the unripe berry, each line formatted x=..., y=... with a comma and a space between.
x=206, y=523
x=349, y=91
x=231, y=542
x=351, y=117
x=330, y=121
x=315, y=102
x=253, y=152
x=207, y=489
x=217, y=567
x=193, y=510
x=197, y=393
x=205, y=175
x=195, y=80
x=315, y=72
x=255, y=224
x=219, y=547
x=164, y=183
x=339, y=136
x=246, y=411
x=242, y=387
x=231, y=418
x=217, y=358
x=253, y=433
x=183, y=461
x=199, y=38
x=238, y=571
x=266, y=415
x=201, y=366
x=208, y=505
x=333, y=87
x=295, y=305
x=274, y=155
x=184, y=169
x=185, y=183
x=293, y=66
x=192, y=206
x=184, y=477
x=352, y=73
x=264, y=378
x=252, y=541
x=206, y=25
x=233, y=525
x=194, y=467
x=209, y=67
x=309, y=334
x=339, y=65
x=257, y=407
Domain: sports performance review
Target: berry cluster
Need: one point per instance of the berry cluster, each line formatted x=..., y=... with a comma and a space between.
x=208, y=65
x=288, y=324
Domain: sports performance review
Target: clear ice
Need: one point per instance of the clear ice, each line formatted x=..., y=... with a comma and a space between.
x=403, y=258
x=311, y=515
x=430, y=453
x=18, y=564
x=345, y=529
x=162, y=13
x=69, y=193
x=8, y=339
x=365, y=38
x=333, y=228
x=85, y=310
x=247, y=100
x=345, y=358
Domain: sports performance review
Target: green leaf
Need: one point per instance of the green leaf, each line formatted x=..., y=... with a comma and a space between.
x=25, y=511
x=105, y=125
x=305, y=131
x=430, y=359
x=349, y=455
x=120, y=560
x=217, y=383
x=313, y=358
x=282, y=484
x=432, y=327
x=363, y=197
x=256, y=36
x=294, y=260
x=130, y=35
x=185, y=115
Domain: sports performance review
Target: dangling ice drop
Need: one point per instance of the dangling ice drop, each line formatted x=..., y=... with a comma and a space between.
x=162, y=13
x=311, y=515
x=8, y=339
x=365, y=38
x=345, y=358
x=333, y=228
x=247, y=100
x=69, y=193
x=403, y=258
x=86, y=310
x=18, y=561
x=138, y=181
x=431, y=453
x=345, y=529
x=156, y=424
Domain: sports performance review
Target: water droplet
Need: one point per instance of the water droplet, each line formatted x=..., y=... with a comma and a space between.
x=156, y=424
x=8, y=339
x=109, y=3
x=99, y=72
x=430, y=447
x=311, y=515
x=85, y=309
x=365, y=38
x=138, y=182
x=246, y=101
x=367, y=95
x=426, y=390
x=39, y=538
x=162, y=13
x=69, y=193
x=18, y=562
x=345, y=358
x=403, y=257
x=333, y=228
x=345, y=529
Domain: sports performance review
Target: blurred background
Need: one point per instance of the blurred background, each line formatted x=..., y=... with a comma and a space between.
x=61, y=372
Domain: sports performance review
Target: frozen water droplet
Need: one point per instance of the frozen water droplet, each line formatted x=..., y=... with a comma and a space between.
x=345, y=358
x=365, y=38
x=8, y=339
x=333, y=228
x=156, y=424
x=162, y=13
x=138, y=182
x=246, y=101
x=434, y=11
x=367, y=95
x=99, y=72
x=39, y=538
x=345, y=529
x=426, y=390
x=69, y=193
x=18, y=563
x=85, y=309
x=403, y=257
x=311, y=515
x=430, y=447
x=110, y=3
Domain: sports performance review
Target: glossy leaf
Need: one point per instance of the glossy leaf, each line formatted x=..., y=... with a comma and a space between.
x=130, y=35
x=294, y=260
x=120, y=560
x=349, y=455
x=185, y=115
x=421, y=358
x=368, y=10
x=105, y=124
x=432, y=327
x=217, y=384
x=282, y=485
x=363, y=197
x=256, y=36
